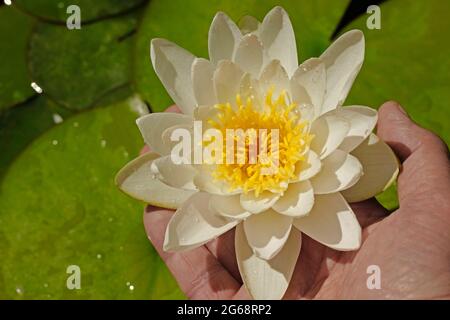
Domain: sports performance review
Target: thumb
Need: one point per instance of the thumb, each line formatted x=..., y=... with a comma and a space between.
x=426, y=168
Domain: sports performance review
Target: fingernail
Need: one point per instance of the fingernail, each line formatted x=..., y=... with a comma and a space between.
x=400, y=108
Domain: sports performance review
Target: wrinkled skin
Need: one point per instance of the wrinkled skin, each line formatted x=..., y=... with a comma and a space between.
x=410, y=245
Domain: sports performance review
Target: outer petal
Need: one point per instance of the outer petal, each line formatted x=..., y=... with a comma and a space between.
x=362, y=121
x=193, y=224
x=228, y=206
x=278, y=38
x=267, y=233
x=202, y=80
x=343, y=60
x=309, y=168
x=332, y=223
x=297, y=200
x=267, y=279
x=223, y=39
x=137, y=180
x=380, y=167
x=329, y=131
x=173, y=64
x=249, y=55
x=340, y=171
x=227, y=78
x=258, y=204
x=153, y=125
x=175, y=175
x=308, y=84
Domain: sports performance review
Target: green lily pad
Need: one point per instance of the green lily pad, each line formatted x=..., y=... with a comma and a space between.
x=19, y=126
x=407, y=60
x=77, y=67
x=90, y=10
x=60, y=207
x=389, y=198
x=313, y=21
x=15, y=28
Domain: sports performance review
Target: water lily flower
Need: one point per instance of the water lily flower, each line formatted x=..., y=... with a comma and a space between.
x=327, y=155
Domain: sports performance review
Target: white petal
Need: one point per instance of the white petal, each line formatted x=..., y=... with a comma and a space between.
x=250, y=88
x=202, y=79
x=267, y=233
x=380, y=166
x=267, y=279
x=173, y=64
x=228, y=206
x=227, y=78
x=204, y=113
x=308, y=84
x=193, y=224
x=278, y=38
x=137, y=180
x=362, y=121
x=329, y=131
x=249, y=55
x=176, y=130
x=249, y=24
x=274, y=75
x=340, y=171
x=343, y=60
x=223, y=39
x=309, y=168
x=332, y=223
x=175, y=175
x=297, y=200
x=153, y=125
x=255, y=204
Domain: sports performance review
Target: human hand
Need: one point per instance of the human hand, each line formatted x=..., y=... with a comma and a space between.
x=411, y=245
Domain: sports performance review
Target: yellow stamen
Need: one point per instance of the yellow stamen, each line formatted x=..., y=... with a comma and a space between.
x=294, y=139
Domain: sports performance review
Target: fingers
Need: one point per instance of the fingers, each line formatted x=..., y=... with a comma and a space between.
x=173, y=108
x=144, y=150
x=426, y=169
x=223, y=249
x=199, y=274
x=401, y=133
x=368, y=212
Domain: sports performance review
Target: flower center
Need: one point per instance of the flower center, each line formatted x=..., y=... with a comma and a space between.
x=270, y=139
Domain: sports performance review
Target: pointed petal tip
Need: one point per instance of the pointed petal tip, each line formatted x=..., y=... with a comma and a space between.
x=156, y=43
x=278, y=10
x=220, y=15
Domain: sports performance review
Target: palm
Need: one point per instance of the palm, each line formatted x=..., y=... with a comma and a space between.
x=411, y=246
x=409, y=269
